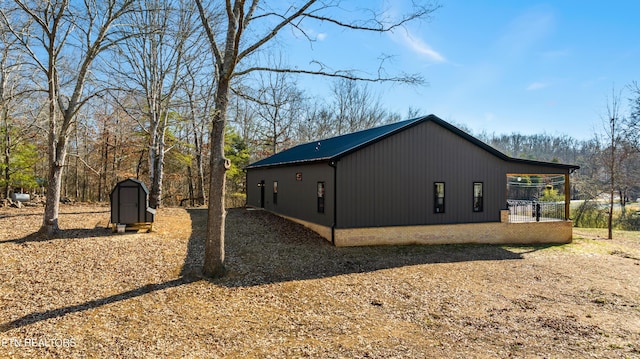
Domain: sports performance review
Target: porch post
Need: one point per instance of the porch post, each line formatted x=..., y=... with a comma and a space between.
x=567, y=197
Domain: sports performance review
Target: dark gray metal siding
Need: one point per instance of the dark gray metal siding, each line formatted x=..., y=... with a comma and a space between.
x=391, y=182
x=295, y=198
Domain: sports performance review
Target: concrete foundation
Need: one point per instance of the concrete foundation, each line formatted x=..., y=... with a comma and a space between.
x=488, y=233
x=324, y=231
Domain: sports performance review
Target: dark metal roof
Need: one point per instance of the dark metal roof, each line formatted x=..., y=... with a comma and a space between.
x=334, y=148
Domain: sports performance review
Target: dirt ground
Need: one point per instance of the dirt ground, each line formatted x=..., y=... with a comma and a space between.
x=289, y=293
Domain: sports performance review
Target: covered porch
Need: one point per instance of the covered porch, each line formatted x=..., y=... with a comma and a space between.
x=538, y=197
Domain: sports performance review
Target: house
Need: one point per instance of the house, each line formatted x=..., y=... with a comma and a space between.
x=416, y=181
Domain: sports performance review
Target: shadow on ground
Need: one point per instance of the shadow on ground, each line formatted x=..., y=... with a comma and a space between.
x=98, y=231
x=262, y=248
x=72, y=233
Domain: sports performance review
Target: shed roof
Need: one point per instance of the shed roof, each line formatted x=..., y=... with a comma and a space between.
x=334, y=148
x=134, y=180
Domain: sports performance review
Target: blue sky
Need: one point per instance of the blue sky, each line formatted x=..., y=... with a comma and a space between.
x=496, y=66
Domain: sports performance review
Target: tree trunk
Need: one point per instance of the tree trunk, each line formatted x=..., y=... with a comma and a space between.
x=190, y=185
x=139, y=166
x=52, y=207
x=155, y=195
x=214, y=246
x=610, y=219
x=200, y=185
x=102, y=178
x=155, y=199
x=115, y=165
x=156, y=158
x=7, y=154
x=197, y=144
x=623, y=201
x=612, y=169
x=85, y=173
x=76, y=179
x=56, y=149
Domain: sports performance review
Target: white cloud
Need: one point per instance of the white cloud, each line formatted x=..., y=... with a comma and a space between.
x=536, y=86
x=417, y=45
x=321, y=36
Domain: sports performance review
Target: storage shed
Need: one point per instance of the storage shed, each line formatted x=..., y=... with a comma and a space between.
x=130, y=205
x=417, y=181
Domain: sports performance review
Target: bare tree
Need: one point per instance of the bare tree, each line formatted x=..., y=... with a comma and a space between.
x=152, y=64
x=61, y=28
x=10, y=65
x=613, y=135
x=242, y=115
x=318, y=123
x=279, y=105
x=238, y=29
x=18, y=104
x=356, y=107
x=633, y=123
x=198, y=91
x=352, y=107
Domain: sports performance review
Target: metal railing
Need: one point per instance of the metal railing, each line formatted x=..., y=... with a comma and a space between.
x=534, y=211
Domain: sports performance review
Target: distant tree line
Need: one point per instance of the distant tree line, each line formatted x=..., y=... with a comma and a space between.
x=609, y=174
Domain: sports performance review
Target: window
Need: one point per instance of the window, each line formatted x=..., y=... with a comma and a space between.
x=320, y=197
x=438, y=190
x=477, y=197
x=275, y=192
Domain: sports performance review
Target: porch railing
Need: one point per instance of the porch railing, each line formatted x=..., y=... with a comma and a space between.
x=534, y=211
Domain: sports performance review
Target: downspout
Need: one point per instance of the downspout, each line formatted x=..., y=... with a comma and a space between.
x=335, y=201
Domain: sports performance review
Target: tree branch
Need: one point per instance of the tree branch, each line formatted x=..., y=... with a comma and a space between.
x=421, y=12
x=275, y=30
x=403, y=78
x=85, y=163
x=209, y=31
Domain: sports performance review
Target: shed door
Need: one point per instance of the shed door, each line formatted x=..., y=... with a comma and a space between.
x=129, y=205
